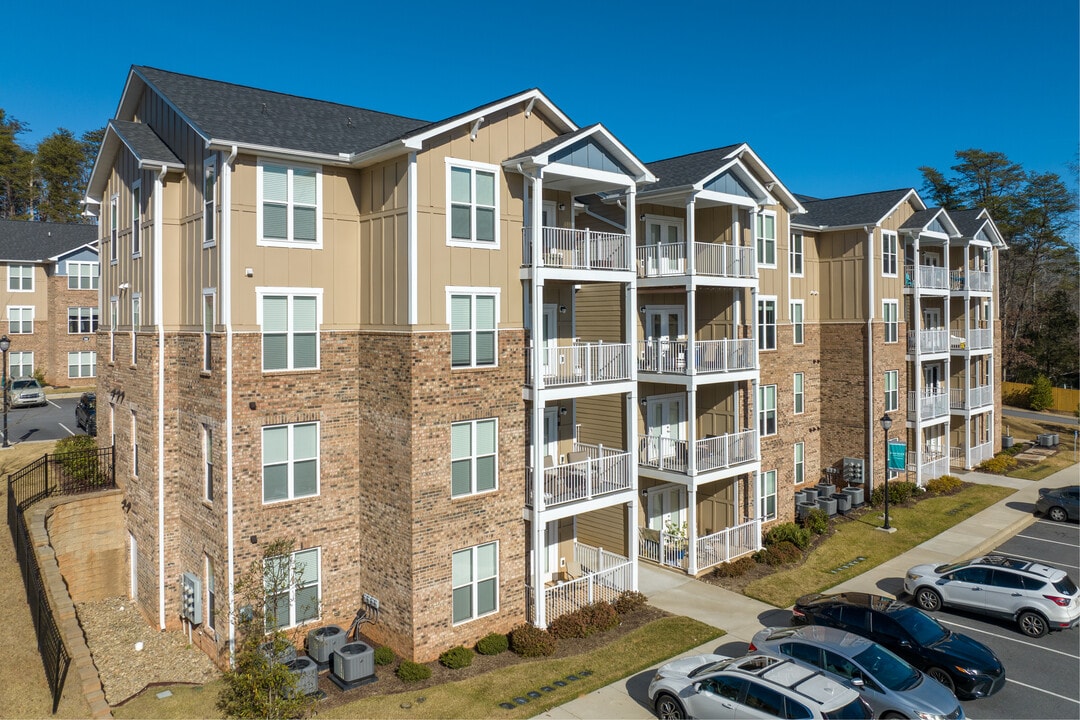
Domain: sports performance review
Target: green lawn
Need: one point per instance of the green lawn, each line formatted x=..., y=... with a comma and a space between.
x=860, y=538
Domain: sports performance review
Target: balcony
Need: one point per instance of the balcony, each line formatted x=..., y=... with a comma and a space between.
x=935, y=463
x=962, y=459
x=670, y=549
x=569, y=249
x=602, y=576
x=927, y=406
x=710, y=356
x=973, y=280
x=976, y=397
x=930, y=341
x=926, y=277
x=592, y=471
x=711, y=453
x=974, y=339
x=582, y=364
x=710, y=259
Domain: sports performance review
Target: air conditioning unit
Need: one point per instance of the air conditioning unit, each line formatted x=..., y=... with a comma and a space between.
x=285, y=654
x=354, y=661
x=307, y=675
x=322, y=642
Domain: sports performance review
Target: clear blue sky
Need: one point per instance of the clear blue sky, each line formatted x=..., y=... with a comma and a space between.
x=838, y=97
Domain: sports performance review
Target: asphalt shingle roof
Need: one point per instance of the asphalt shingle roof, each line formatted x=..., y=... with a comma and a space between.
x=38, y=241
x=144, y=142
x=867, y=208
x=921, y=219
x=967, y=222
x=687, y=169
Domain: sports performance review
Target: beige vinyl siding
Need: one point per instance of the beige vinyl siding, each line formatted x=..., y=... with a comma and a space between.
x=604, y=528
x=602, y=420
x=714, y=224
x=716, y=507
x=137, y=272
x=599, y=311
x=843, y=276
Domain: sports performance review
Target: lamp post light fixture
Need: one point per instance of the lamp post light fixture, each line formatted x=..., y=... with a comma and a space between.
x=5, y=345
x=886, y=423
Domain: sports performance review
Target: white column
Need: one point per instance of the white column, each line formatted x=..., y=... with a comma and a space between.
x=691, y=334
x=631, y=225
x=691, y=235
x=691, y=525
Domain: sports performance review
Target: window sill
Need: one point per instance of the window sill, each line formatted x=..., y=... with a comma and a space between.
x=205, y=373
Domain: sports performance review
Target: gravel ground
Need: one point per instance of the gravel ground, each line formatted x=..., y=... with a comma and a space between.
x=112, y=628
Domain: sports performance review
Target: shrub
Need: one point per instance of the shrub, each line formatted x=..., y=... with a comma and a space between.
x=571, y=625
x=816, y=521
x=383, y=655
x=600, y=616
x=629, y=601
x=782, y=553
x=529, y=641
x=788, y=532
x=734, y=568
x=492, y=644
x=999, y=464
x=900, y=491
x=944, y=485
x=457, y=657
x=1042, y=393
x=409, y=671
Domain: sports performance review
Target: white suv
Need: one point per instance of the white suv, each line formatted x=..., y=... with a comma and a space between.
x=1038, y=597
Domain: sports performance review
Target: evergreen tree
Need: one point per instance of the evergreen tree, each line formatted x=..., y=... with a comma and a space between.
x=59, y=174
x=16, y=172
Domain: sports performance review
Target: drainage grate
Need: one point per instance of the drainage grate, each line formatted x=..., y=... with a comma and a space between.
x=536, y=694
x=848, y=564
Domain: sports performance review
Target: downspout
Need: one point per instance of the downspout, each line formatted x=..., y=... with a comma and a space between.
x=159, y=319
x=225, y=256
x=870, y=357
x=413, y=234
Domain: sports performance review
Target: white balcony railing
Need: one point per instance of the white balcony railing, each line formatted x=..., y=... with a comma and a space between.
x=974, y=280
x=930, y=341
x=710, y=356
x=927, y=405
x=935, y=463
x=974, y=339
x=662, y=260
x=605, y=471
x=926, y=277
x=728, y=544
x=714, y=453
x=975, y=397
x=712, y=259
x=583, y=363
x=961, y=458
x=604, y=576
x=572, y=249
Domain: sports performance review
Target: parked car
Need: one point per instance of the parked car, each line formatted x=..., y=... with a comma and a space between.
x=755, y=686
x=890, y=685
x=25, y=392
x=1059, y=504
x=1038, y=597
x=965, y=666
x=86, y=413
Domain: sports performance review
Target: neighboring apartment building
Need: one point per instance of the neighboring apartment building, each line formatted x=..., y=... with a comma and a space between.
x=474, y=369
x=50, y=300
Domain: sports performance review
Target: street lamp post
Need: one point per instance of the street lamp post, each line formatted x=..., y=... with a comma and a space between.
x=5, y=345
x=886, y=423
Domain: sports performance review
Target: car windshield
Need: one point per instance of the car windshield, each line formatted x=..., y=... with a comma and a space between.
x=854, y=709
x=948, y=568
x=24, y=384
x=925, y=629
x=888, y=669
x=1065, y=586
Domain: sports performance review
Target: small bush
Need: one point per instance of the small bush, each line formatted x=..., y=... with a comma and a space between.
x=782, y=553
x=409, y=671
x=900, y=491
x=630, y=601
x=457, y=657
x=529, y=641
x=788, y=532
x=1042, y=393
x=944, y=485
x=735, y=568
x=600, y=616
x=492, y=644
x=384, y=655
x=816, y=521
x=999, y=464
x=570, y=625
x=74, y=443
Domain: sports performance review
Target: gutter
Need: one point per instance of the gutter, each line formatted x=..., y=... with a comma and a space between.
x=870, y=305
x=225, y=252
x=159, y=312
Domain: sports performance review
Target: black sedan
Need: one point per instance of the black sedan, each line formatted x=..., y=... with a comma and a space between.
x=1059, y=504
x=965, y=666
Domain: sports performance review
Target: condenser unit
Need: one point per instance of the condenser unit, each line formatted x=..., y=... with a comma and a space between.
x=285, y=654
x=307, y=675
x=354, y=661
x=322, y=642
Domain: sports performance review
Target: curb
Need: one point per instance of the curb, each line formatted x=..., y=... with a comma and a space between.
x=998, y=537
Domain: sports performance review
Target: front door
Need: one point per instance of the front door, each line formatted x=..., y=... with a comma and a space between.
x=663, y=236
x=931, y=318
x=931, y=379
x=551, y=550
x=666, y=508
x=665, y=417
x=551, y=434
x=550, y=338
x=664, y=326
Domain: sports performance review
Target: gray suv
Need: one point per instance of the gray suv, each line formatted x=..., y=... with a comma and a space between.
x=891, y=686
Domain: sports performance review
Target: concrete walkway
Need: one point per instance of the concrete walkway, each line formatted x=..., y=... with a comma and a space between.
x=741, y=616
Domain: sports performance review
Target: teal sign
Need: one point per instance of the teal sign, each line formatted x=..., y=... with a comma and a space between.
x=897, y=455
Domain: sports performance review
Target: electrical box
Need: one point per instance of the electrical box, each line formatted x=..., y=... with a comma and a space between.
x=191, y=598
x=853, y=471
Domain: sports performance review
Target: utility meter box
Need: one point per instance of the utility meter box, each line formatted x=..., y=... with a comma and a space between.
x=191, y=598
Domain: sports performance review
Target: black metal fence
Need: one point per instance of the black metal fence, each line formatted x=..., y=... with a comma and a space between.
x=59, y=474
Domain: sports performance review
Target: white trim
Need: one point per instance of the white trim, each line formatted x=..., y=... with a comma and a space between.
x=7, y=312
x=159, y=322
x=472, y=166
x=796, y=462
x=761, y=335
x=895, y=253
x=792, y=254
x=474, y=456
x=895, y=305
x=452, y=290
x=33, y=278
x=762, y=410
x=802, y=320
x=210, y=164
x=759, y=218
x=290, y=461
x=798, y=393
x=289, y=166
x=476, y=580
x=291, y=293
x=413, y=242
x=80, y=364
x=136, y=214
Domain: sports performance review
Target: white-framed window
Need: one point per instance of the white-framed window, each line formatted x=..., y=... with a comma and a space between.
x=767, y=493
x=114, y=226
x=136, y=323
x=296, y=600
x=290, y=460
x=766, y=323
x=766, y=239
x=211, y=594
x=134, y=444
x=136, y=218
x=82, y=364
x=20, y=319
x=472, y=202
x=798, y=389
x=473, y=316
x=892, y=390
x=209, y=191
x=474, y=456
x=890, y=311
x=208, y=462
x=475, y=582
x=290, y=319
x=82, y=275
x=797, y=309
x=209, y=320
x=795, y=255
x=20, y=364
x=20, y=278
x=661, y=230
x=766, y=410
x=82, y=320
x=888, y=253
x=289, y=205
x=800, y=462
x=114, y=319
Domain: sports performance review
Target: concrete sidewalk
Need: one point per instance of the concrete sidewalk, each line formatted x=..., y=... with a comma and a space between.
x=741, y=616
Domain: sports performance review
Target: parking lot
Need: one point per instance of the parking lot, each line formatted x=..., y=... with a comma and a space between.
x=1042, y=672
x=53, y=421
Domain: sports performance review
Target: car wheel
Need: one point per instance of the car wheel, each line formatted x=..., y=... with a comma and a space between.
x=1032, y=624
x=942, y=677
x=1057, y=514
x=668, y=708
x=928, y=599
x=78, y=423
x=893, y=716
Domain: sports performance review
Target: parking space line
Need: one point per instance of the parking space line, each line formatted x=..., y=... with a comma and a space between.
x=1048, y=692
x=1040, y=560
x=1055, y=542
x=69, y=432
x=60, y=408
x=1006, y=637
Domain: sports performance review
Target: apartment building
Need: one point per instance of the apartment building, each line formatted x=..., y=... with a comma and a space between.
x=51, y=300
x=474, y=369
